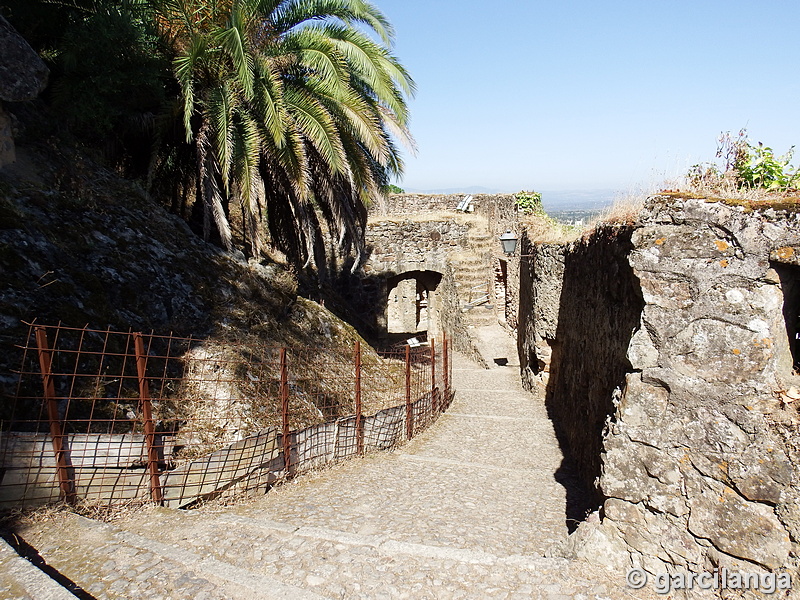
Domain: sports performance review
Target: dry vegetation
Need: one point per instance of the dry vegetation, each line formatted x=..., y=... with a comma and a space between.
x=541, y=228
x=745, y=174
x=624, y=211
x=749, y=199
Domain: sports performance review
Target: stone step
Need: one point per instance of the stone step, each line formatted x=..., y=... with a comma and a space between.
x=241, y=554
x=481, y=320
x=338, y=563
x=113, y=563
x=472, y=280
x=482, y=272
x=477, y=276
x=469, y=303
x=479, y=247
x=21, y=580
x=477, y=252
x=468, y=283
x=471, y=268
x=467, y=509
x=476, y=287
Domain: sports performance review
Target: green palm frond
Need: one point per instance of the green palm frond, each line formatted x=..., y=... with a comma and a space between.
x=186, y=66
x=231, y=39
x=292, y=13
x=294, y=108
x=220, y=109
x=268, y=100
x=247, y=152
x=316, y=125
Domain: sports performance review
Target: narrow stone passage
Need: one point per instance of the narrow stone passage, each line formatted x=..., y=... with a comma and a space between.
x=481, y=478
x=465, y=510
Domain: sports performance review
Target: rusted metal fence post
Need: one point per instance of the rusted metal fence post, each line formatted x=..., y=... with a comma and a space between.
x=65, y=479
x=284, y=391
x=147, y=418
x=359, y=417
x=434, y=404
x=446, y=370
x=409, y=408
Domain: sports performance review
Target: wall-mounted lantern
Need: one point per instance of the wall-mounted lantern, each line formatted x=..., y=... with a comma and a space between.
x=509, y=242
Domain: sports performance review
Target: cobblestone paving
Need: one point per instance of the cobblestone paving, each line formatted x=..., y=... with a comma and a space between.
x=465, y=510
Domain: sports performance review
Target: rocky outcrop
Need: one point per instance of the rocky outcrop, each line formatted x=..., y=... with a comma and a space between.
x=700, y=462
x=23, y=76
x=81, y=246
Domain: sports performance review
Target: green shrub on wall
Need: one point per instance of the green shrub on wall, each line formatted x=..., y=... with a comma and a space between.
x=529, y=203
x=747, y=166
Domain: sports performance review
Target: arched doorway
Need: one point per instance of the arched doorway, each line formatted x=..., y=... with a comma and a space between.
x=412, y=304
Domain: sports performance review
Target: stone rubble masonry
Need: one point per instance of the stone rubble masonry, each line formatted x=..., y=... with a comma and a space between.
x=575, y=334
x=500, y=210
x=411, y=233
x=23, y=75
x=413, y=245
x=698, y=462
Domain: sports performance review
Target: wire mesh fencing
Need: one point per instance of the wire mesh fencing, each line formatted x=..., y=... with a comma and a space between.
x=112, y=417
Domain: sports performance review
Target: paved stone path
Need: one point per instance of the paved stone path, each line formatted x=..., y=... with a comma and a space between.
x=465, y=510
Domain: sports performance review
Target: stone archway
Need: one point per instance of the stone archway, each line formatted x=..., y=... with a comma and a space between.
x=412, y=303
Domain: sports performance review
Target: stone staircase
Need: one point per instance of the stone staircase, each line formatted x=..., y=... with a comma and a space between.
x=473, y=274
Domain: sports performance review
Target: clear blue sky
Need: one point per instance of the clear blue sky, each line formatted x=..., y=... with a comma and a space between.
x=579, y=94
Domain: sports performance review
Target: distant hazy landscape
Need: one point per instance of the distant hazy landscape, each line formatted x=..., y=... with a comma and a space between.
x=573, y=206
x=567, y=206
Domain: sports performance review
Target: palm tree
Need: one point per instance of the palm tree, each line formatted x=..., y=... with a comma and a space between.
x=288, y=107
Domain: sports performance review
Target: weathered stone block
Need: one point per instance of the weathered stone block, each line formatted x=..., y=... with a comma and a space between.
x=747, y=530
x=653, y=535
x=636, y=473
x=721, y=352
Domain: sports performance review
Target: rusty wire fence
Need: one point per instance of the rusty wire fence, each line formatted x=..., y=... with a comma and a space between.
x=112, y=417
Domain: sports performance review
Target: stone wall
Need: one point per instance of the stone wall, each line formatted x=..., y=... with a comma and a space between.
x=580, y=306
x=511, y=309
x=500, y=210
x=499, y=213
x=700, y=465
x=453, y=321
x=397, y=246
x=422, y=236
